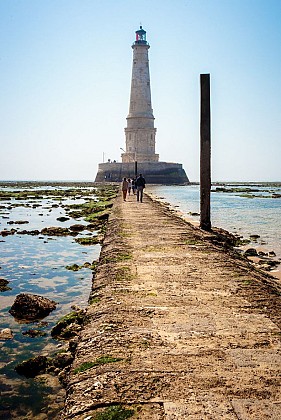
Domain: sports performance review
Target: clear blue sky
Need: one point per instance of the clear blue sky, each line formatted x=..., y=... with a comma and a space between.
x=65, y=70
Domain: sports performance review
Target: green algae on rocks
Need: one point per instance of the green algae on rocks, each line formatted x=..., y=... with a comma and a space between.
x=99, y=361
x=115, y=412
x=68, y=325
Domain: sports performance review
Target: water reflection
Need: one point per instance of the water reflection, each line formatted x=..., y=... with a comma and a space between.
x=37, y=264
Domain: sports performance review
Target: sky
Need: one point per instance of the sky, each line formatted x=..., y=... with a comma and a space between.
x=65, y=74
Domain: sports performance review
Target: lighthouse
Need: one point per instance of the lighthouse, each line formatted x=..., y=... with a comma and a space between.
x=140, y=132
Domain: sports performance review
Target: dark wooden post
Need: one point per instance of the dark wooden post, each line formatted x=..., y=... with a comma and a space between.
x=136, y=168
x=205, y=154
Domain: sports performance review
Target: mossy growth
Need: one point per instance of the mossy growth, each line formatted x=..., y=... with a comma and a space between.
x=98, y=362
x=123, y=273
x=91, y=240
x=93, y=300
x=76, y=267
x=191, y=242
x=121, y=256
x=101, y=215
x=247, y=282
x=124, y=256
x=115, y=412
x=90, y=210
x=60, y=330
x=73, y=267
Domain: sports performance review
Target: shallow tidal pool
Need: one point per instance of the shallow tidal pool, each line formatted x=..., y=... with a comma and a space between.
x=36, y=264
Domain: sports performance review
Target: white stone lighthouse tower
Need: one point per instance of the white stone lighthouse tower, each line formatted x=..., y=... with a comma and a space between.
x=140, y=132
x=140, y=156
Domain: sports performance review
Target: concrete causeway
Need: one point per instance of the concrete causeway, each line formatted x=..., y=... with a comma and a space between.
x=179, y=327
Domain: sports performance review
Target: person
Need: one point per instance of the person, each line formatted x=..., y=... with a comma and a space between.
x=129, y=186
x=124, y=188
x=134, y=185
x=140, y=183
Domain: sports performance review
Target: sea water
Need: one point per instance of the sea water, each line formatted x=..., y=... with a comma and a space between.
x=245, y=209
x=36, y=264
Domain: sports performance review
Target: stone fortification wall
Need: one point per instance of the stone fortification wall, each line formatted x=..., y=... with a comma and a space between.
x=154, y=172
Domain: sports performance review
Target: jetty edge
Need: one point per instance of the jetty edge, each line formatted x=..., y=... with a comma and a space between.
x=179, y=326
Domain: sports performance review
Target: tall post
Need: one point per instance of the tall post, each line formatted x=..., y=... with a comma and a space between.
x=205, y=154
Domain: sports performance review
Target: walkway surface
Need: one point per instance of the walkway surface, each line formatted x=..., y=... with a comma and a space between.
x=179, y=327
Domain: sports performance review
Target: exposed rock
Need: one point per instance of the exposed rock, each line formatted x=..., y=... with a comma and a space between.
x=8, y=232
x=62, y=219
x=73, y=267
x=254, y=237
x=95, y=225
x=103, y=216
x=77, y=228
x=32, y=367
x=272, y=254
x=18, y=222
x=55, y=231
x=4, y=285
x=31, y=307
x=61, y=360
x=42, y=364
x=29, y=232
x=6, y=334
x=93, y=240
x=68, y=326
x=34, y=333
x=269, y=263
x=251, y=252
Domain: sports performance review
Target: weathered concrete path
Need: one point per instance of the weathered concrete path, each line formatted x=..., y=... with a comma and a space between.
x=179, y=328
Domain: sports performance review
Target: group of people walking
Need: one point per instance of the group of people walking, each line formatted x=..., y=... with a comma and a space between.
x=136, y=185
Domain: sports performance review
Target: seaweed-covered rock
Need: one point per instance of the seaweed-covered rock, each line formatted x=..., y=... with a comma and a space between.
x=251, y=252
x=34, y=333
x=61, y=360
x=77, y=228
x=29, y=232
x=90, y=240
x=4, y=285
x=7, y=232
x=95, y=224
x=55, y=231
x=31, y=307
x=103, y=216
x=32, y=367
x=69, y=325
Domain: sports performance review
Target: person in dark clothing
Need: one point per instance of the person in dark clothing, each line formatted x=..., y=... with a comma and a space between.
x=134, y=187
x=140, y=184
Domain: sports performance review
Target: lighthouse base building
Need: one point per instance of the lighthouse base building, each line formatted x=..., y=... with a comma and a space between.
x=153, y=172
x=140, y=156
